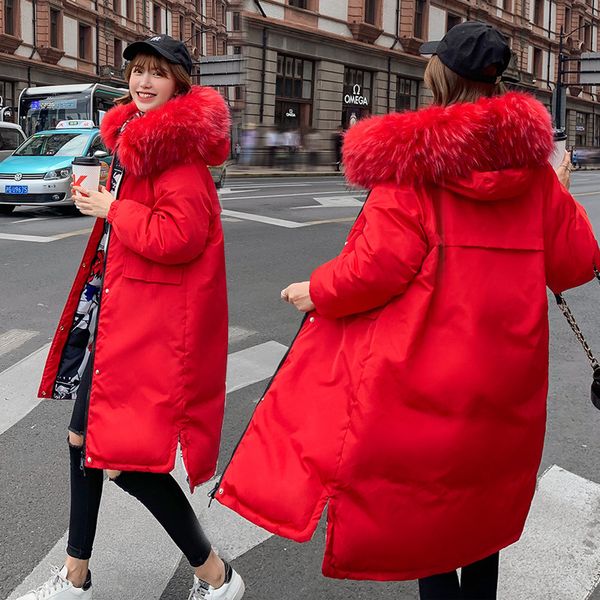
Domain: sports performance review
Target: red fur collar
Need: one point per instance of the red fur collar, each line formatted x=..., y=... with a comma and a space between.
x=189, y=128
x=438, y=143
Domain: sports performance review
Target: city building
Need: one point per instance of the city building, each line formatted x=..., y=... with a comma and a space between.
x=57, y=42
x=322, y=64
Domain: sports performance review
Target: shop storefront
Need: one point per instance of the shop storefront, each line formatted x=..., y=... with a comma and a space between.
x=357, y=93
x=293, y=93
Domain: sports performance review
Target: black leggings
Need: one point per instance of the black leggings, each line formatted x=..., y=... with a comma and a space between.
x=478, y=581
x=158, y=492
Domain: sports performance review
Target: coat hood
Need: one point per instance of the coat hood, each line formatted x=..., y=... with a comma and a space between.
x=188, y=128
x=484, y=146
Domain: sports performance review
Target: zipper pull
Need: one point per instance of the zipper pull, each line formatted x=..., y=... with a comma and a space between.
x=212, y=492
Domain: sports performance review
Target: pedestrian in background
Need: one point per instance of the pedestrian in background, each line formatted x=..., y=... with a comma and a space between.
x=338, y=143
x=142, y=342
x=412, y=402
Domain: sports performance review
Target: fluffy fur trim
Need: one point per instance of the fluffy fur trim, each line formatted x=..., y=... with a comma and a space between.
x=189, y=128
x=438, y=143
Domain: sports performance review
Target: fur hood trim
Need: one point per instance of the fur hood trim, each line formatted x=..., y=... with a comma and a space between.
x=189, y=128
x=439, y=143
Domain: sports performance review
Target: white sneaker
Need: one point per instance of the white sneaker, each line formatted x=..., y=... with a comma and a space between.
x=232, y=590
x=58, y=587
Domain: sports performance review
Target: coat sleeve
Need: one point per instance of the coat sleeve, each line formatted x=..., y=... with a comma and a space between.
x=571, y=249
x=383, y=259
x=173, y=229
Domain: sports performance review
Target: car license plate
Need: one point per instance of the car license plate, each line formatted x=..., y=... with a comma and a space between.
x=16, y=189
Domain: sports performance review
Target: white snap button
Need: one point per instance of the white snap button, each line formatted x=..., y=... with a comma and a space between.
x=89, y=459
x=83, y=265
x=312, y=319
x=106, y=291
x=221, y=491
x=62, y=327
x=97, y=371
x=43, y=393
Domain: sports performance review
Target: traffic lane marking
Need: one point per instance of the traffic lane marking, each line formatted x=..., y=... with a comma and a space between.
x=125, y=523
x=313, y=194
x=14, y=338
x=43, y=239
x=282, y=222
x=558, y=555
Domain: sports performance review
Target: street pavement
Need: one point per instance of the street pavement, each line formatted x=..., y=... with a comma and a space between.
x=277, y=231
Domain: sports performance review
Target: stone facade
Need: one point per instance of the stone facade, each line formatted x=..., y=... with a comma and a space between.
x=55, y=42
x=342, y=41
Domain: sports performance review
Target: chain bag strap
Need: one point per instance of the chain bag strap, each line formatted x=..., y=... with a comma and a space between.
x=566, y=311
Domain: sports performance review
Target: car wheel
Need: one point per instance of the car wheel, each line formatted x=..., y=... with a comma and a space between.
x=6, y=209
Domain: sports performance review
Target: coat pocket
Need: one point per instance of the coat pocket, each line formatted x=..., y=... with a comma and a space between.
x=142, y=269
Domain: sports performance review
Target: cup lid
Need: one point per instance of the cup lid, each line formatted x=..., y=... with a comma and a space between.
x=86, y=161
x=559, y=135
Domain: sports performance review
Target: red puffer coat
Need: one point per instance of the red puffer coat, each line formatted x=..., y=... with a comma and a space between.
x=161, y=346
x=412, y=403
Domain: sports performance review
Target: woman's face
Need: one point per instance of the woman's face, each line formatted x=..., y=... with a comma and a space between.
x=151, y=84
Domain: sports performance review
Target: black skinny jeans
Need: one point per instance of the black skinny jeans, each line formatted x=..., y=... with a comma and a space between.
x=158, y=492
x=478, y=581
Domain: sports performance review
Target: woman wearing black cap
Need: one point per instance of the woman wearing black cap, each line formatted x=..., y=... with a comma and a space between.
x=412, y=402
x=142, y=342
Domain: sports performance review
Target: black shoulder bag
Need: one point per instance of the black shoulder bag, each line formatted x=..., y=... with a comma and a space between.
x=564, y=307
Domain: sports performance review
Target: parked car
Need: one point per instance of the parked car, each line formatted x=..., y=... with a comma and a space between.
x=218, y=174
x=11, y=137
x=39, y=171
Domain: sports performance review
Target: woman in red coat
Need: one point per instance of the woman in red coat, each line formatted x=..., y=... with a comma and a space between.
x=412, y=403
x=142, y=342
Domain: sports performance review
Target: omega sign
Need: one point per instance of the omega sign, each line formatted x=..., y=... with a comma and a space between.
x=355, y=97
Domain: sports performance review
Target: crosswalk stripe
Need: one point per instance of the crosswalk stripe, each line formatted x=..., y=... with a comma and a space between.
x=131, y=544
x=18, y=388
x=42, y=239
x=260, y=219
x=558, y=555
x=14, y=338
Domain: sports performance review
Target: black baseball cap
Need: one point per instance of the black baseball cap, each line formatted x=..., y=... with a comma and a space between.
x=172, y=50
x=473, y=50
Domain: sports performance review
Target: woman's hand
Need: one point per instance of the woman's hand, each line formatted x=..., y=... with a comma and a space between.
x=563, y=172
x=298, y=294
x=93, y=203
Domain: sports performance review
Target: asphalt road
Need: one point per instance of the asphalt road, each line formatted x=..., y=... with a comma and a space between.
x=277, y=231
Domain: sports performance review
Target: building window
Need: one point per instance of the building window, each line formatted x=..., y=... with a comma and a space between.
x=130, y=9
x=236, y=22
x=356, y=101
x=181, y=25
x=587, y=36
x=299, y=4
x=223, y=20
x=538, y=12
x=55, y=28
x=371, y=11
x=537, y=63
x=85, y=41
x=294, y=92
x=237, y=49
x=223, y=47
x=507, y=5
x=118, y=53
x=581, y=129
x=156, y=15
x=117, y=6
x=419, y=19
x=407, y=94
x=567, y=26
x=9, y=17
x=198, y=42
x=238, y=94
x=451, y=21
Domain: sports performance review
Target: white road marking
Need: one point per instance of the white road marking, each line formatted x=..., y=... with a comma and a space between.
x=42, y=239
x=125, y=524
x=558, y=555
x=253, y=364
x=237, y=334
x=18, y=388
x=32, y=219
x=14, y=338
x=338, y=192
x=260, y=219
x=224, y=191
x=341, y=202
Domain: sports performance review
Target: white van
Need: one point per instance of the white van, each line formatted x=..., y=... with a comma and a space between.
x=11, y=137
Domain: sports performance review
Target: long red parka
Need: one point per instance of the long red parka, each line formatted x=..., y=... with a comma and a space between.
x=161, y=344
x=413, y=401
